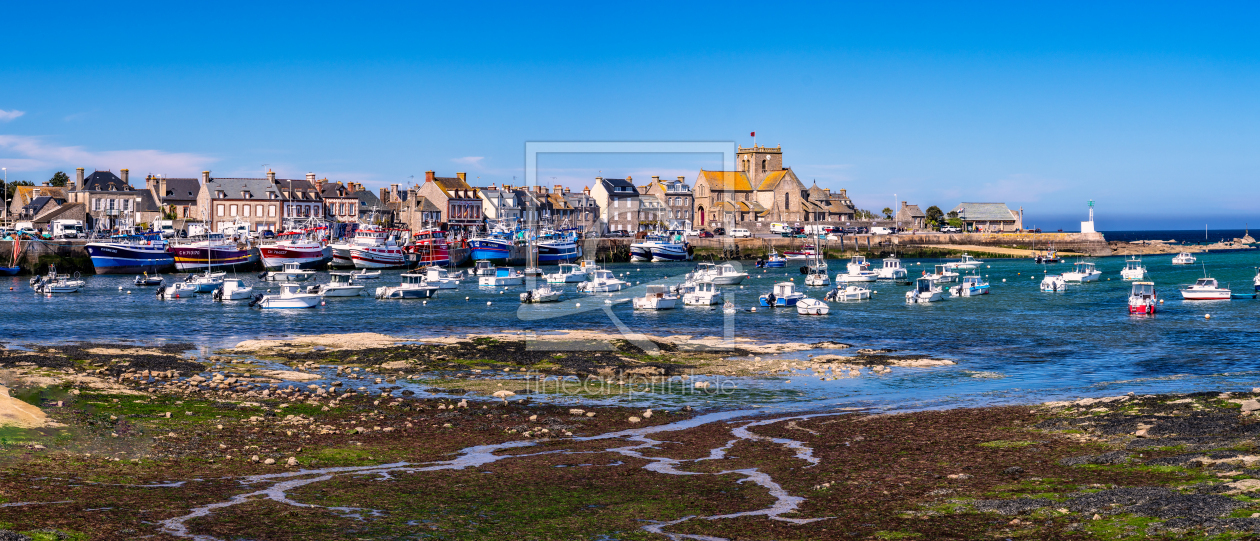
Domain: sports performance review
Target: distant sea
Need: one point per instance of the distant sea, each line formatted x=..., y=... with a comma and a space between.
x=1188, y=236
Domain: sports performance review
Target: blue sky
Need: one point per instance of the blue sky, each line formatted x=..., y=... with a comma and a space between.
x=1150, y=109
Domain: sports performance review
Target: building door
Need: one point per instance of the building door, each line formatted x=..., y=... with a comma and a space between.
x=700, y=211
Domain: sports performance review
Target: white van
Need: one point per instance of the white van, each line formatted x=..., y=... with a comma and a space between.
x=818, y=229
x=737, y=233
x=881, y=231
x=779, y=228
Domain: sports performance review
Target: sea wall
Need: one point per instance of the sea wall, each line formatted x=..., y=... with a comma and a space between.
x=36, y=255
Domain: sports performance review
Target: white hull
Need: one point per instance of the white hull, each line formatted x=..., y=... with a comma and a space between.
x=728, y=279
x=1205, y=295
x=340, y=291
x=656, y=303
x=497, y=281
x=913, y=297
x=1138, y=274
x=1053, y=285
x=290, y=276
x=378, y=258
x=566, y=278
x=702, y=299
x=276, y=301
x=812, y=307
x=367, y=275
x=1081, y=277
x=341, y=256
x=817, y=280
x=541, y=295
x=398, y=292
x=864, y=276
x=602, y=287
x=890, y=274
x=851, y=293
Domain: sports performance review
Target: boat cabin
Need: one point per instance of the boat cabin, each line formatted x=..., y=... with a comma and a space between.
x=656, y=291
x=892, y=263
x=292, y=267
x=290, y=288
x=923, y=285
x=483, y=265
x=1084, y=268
x=340, y=277
x=704, y=267
x=972, y=280
x=604, y=275
x=1205, y=283
x=1133, y=264
x=567, y=268
x=859, y=260
x=785, y=289
x=436, y=273
x=415, y=279
x=503, y=272
x=705, y=287
x=1145, y=290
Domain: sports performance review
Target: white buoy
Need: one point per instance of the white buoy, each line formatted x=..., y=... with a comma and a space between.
x=466, y=298
x=424, y=303
x=1207, y=316
x=120, y=288
x=577, y=305
x=1004, y=279
x=487, y=303
x=128, y=292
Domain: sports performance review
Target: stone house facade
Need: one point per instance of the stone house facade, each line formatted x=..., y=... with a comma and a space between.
x=459, y=203
x=110, y=201
x=678, y=199
x=618, y=202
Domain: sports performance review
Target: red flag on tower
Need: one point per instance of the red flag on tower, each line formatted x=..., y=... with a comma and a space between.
x=753, y=134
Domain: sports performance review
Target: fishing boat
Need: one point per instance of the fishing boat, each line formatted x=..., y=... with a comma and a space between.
x=503, y=276
x=671, y=247
x=702, y=294
x=364, y=274
x=642, y=251
x=784, y=294
x=1142, y=298
x=816, y=272
x=290, y=297
x=1183, y=258
x=1205, y=289
x=429, y=247
x=557, y=247
x=1133, y=269
x=291, y=272
x=972, y=285
x=59, y=283
x=413, y=286
x=144, y=280
x=567, y=273
x=233, y=289
x=603, y=281
x=805, y=252
x=657, y=297
x=848, y=293
x=925, y=290
x=1053, y=283
x=1049, y=256
x=484, y=268
x=204, y=282
x=812, y=307
x=216, y=252
x=294, y=249
x=1083, y=272
x=966, y=262
x=775, y=261
x=381, y=256
x=857, y=270
x=127, y=254
x=439, y=278
x=495, y=245
x=340, y=284
x=542, y=293
x=942, y=274
x=366, y=235
x=892, y=270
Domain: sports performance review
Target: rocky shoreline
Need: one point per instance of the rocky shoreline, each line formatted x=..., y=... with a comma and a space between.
x=153, y=442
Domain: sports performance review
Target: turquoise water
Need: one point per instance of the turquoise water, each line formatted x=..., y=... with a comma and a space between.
x=1017, y=344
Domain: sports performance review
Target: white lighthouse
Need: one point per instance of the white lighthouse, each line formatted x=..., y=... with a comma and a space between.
x=1088, y=227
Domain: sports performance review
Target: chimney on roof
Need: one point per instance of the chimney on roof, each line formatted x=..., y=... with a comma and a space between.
x=271, y=176
x=205, y=177
x=393, y=192
x=428, y=176
x=493, y=187
x=126, y=175
x=78, y=176
x=903, y=204
x=462, y=176
x=628, y=178
x=310, y=177
x=45, y=183
x=682, y=178
x=586, y=190
x=656, y=178
x=566, y=191
x=558, y=188
x=507, y=187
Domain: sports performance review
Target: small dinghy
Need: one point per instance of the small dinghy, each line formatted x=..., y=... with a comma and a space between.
x=146, y=280
x=812, y=307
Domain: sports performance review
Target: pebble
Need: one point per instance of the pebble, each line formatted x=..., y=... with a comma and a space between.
x=269, y=461
x=633, y=419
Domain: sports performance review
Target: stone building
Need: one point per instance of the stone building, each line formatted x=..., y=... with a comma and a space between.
x=499, y=203
x=459, y=203
x=24, y=196
x=110, y=200
x=340, y=203
x=176, y=196
x=585, y=210
x=989, y=217
x=618, y=202
x=762, y=191
x=302, y=200
x=255, y=202
x=677, y=197
x=910, y=216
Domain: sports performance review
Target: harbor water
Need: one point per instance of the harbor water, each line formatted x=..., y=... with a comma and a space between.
x=1015, y=345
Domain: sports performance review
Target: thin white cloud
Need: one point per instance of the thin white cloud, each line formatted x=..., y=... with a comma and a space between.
x=474, y=161
x=1021, y=188
x=34, y=153
x=6, y=116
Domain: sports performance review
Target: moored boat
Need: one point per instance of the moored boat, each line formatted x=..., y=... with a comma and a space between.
x=1205, y=289
x=812, y=307
x=1083, y=272
x=413, y=286
x=966, y=262
x=925, y=290
x=503, y=276
x=602, y=281
x=340, y=284
x=127, y=254
x=382, y=256
x=1183, y=258
x=1142, y=298
x=892, y=270
x=290, y=297
x=295, y=250
x=233, y=289
x=366, y=235
x=656, y=297
x=784, y=294
x=542, y=293
x=848, y=293
x=1053, y=283
x=971, y=286
x=429, y=247
x=1133, y=269
x=702, y=294
x=215, y=252
x=567, y=273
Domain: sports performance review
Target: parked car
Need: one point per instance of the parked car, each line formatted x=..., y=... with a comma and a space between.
x=881, y=231
x=268, y=234
x=719, y=231
x=621, y=234
x=739, y=233
x=706, y=235
x=950, y=229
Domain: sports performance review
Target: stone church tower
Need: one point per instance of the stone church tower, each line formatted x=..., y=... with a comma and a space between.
x=759, y=161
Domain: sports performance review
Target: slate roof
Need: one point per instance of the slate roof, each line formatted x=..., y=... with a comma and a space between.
x=302, y=190
x=611, y=183
x=72, y=211
x=37, y=205
x=454, y=187
x=985, y=212
x=233, y=188
x=726, y=180
x=101, y=181
x=367, y=200
x=181, y=191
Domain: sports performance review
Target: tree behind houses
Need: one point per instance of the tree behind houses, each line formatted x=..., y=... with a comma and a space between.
x=887, y=213
x=59, y=179
x=934, y=214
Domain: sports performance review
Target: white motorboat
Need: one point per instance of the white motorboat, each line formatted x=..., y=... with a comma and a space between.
x=702, y=294
x=657, y=297
x=291, y=296
x=925, y=290
x=892, y=270
x=567, y=273
x=784, y=294
x=439, y=278
x=812, y=307
x=848, y=293
x=484, y=268
x=1205, y=289
x=857, y=264
x=178, y=290
x=233, y=289
x=1133, y=269
x=542, y=293
x=60, y=284
x=1256, y=281
x=967, y=262
x=1142, y=299
x=340, y=284
x=725, y=274
x=290, y=272
x=817, y=277
x=364, y=274
x=863, y=276
x=942, y=273
x=146, y=280
x=702, y=271
x=971, y=286
x=206, y=281
x=413, y=286
x=602, y=281
x=1053, y=283
x=1183, y=258
x=503, y=276
x=729, y=308
x=1082, y=272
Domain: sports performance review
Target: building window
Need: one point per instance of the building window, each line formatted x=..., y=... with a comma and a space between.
x=271, y=211
x=258, y=211
x=245, y=210
x=220, y=210
x=232, y=210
